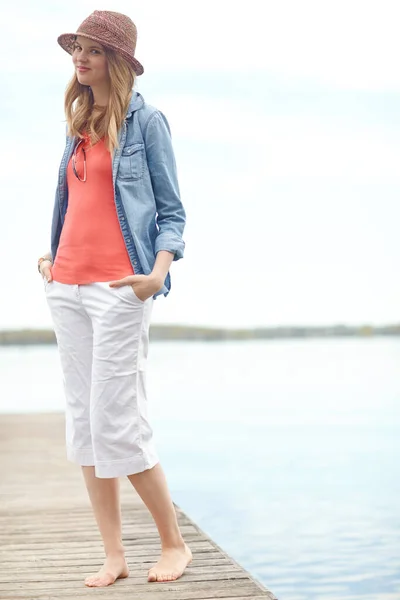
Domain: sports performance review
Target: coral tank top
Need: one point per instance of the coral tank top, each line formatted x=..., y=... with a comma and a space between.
x=92, y=247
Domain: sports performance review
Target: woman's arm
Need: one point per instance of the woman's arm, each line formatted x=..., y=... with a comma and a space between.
x=171, y=216
x=161, y=266
x=147, y=285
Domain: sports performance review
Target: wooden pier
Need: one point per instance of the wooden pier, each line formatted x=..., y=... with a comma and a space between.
x=49, y=540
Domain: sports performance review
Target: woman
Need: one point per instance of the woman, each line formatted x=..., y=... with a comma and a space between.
x=117, y=227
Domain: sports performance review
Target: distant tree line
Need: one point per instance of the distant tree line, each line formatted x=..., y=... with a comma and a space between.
x=188, y=333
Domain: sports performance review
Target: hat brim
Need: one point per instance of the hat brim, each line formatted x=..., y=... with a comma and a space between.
x=66, y=41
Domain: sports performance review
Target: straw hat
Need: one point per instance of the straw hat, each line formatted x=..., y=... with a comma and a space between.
x=111, y=29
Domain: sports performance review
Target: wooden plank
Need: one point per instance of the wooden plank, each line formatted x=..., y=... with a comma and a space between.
x=115, y=593
x=40, y=573
x=149, y=554
x=67, y=563
x=49, y=540
x=141, y=588
x=76, y=577
x=47, y=546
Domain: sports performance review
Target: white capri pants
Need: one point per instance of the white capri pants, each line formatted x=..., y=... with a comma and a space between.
x=103, y=338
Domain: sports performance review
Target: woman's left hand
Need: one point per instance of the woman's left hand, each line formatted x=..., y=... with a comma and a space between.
x=144, y=286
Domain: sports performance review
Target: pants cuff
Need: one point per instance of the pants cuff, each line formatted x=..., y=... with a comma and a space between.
x=128, y=466
x=81, y=456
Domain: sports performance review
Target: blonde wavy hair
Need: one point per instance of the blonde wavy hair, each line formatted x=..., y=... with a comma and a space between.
x=83, y=115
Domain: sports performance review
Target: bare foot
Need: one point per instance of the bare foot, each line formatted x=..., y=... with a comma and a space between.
x=115, y=567
x=171, y=565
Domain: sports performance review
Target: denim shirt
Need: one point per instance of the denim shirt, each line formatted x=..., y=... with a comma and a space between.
x=146, y=190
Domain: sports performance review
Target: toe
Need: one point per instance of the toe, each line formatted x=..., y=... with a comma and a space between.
x=152, y=576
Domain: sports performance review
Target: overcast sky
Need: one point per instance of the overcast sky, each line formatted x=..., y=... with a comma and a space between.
x=285, y=121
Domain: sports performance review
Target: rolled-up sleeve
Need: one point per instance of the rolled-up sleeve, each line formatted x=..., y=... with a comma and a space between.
x=171, y=216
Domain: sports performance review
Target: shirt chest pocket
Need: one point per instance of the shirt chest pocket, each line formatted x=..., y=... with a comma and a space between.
x=131, y=164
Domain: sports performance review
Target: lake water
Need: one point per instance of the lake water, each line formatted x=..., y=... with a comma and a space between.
x=286, y=453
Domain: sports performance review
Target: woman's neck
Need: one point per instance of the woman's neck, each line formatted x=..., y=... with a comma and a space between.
x=101, y=95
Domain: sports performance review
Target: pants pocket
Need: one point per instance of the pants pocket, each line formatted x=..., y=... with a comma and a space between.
x=126, y=292
x=135, y=296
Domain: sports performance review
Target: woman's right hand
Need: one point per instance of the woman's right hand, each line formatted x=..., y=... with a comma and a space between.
x=45, y=270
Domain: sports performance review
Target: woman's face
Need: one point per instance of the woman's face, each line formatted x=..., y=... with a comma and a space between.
x=90, y=62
